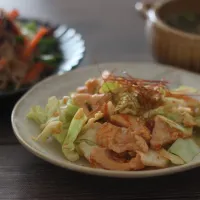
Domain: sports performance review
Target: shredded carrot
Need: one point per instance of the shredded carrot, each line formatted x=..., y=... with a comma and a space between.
x=65, y=100
x=56, y=114
x=13, y=14
x=3, y=61
x=33, y=43
x=17, y=31
x=33, y=74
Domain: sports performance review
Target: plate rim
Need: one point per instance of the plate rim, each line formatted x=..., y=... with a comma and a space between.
x=89, y=170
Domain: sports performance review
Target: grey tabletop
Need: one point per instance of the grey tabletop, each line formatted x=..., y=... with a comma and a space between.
x=113, y=32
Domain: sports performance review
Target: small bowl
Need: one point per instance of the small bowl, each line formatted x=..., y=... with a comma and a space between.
x=171, y=45
x=72, y=46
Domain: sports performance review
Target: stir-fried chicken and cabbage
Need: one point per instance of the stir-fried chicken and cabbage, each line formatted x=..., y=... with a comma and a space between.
x=123, y=123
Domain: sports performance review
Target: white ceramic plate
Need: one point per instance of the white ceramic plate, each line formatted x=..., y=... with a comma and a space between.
x=62, y=85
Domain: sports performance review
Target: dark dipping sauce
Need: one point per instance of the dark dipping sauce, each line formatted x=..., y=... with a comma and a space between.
x=188, y=22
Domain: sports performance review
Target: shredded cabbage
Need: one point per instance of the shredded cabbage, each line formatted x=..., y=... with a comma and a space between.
x=41, y=115
x=109, y=87
x=153, y=159
x=75, y=127
x=177, y=114
x=86, y=149
x=184, y=90
x=56, y=113
x=173, y=158
x=53, y=107
x=186, y=149
x=53, y=127
x=37, y=114
x=66, y=114
x=174, y=101
x=187, y=131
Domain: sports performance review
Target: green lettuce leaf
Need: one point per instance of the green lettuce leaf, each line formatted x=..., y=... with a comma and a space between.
x=173, y=158
x=174, y=101
x=53, y=127
x=184, y=90
x=109, y=87
x=75, y=127
x=186, y=149
x=187, y=131
x=37, y=114
x=41, y=115
x=66, y=115
x=153, y=158
x=52, y=107
x=177, y=114
x=56, y=112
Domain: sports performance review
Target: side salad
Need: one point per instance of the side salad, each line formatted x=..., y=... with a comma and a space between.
x=28, y=51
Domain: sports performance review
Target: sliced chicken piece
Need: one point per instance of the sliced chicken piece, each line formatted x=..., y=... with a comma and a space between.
x=108, y=109
x=120, y=139
x=105, y=74
x=164, y=134
x=91, y=86
x=89, y=102
x=101, y=158
x=134, y=123
x=82, y=89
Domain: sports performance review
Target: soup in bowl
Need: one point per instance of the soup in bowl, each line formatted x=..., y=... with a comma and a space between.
x=173, y=31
